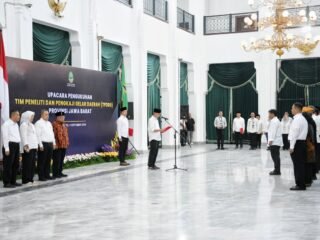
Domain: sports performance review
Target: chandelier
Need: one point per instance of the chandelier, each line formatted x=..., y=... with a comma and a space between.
x=279, y=18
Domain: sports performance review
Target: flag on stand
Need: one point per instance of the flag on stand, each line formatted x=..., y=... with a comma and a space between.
x=4, y=88
x=124, y=96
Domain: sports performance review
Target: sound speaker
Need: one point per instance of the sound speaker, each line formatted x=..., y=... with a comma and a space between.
x=130, y=111
x=184, y=111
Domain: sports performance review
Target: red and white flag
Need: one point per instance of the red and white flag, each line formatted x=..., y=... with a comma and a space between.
x=4, y=83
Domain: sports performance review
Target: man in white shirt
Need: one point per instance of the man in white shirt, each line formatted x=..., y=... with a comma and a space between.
x=11, y=149
x=123, y=134
x=252, y=129
x=238, y=128
x=154, y=132
x=220, y=123
x=275, y=140
x=29, y=146
x=316, y=118
x=298, y=147
x=260, y=131
x=47, y=144
x=285, y=124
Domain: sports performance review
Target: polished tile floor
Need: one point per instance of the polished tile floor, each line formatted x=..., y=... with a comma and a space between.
x=224, y=195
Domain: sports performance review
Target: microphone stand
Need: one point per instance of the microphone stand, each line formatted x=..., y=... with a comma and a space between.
x=175, y=167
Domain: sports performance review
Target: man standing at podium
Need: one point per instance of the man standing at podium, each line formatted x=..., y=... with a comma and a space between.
x=154, y=132
x=123, y=134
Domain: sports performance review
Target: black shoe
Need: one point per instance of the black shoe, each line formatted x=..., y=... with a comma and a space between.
x=297, y=188
x=123, y=164
x=49, y=178
x=217, y=148
x=222, y=148
x=236, y=148
x=155, y=168
x=42, y=179
x=8, y=186
x=17, y=184
x=273, y=173
x=308, y=185
x=314, y=177
x=63, y=175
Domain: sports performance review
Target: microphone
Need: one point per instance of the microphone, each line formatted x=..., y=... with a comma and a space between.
x=164, y=118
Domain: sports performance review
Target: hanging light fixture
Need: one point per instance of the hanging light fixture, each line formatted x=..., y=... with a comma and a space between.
x=280, y=19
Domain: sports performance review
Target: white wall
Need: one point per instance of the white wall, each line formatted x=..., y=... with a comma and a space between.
x=140, y=34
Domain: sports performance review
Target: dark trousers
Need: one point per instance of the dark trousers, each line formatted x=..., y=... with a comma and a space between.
x=318, y=156
x=275, y=154
x=28, y=165
x=259, y=136
x=123, y=149
x=220, y=137
x=299, y=162
x=57, y=161
x=253, y=140
x=183, y=137
x=11, y=163
x=238, y=139
x=286, y=144
x=153, y=153
x=44, y=160
x=309, y=173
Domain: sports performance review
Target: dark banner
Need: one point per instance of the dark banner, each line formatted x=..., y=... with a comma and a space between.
x=87, y=97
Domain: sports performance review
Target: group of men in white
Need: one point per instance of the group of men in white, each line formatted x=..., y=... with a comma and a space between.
x=300, y=135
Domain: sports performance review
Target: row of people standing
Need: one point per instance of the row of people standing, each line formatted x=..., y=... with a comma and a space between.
x=255, y=128
x=304, y=144
x=38, y=143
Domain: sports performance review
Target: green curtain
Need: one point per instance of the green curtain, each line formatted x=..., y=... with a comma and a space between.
x=51, y=45
x=154, y=81
x=232, y=87
x=184, y=99
x=112, y=61
x=298, y=82
x=111, y=57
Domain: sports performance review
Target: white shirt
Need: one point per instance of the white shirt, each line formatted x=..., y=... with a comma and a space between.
x=275, y=132
x=252, y=126
x=238, y=123
x=317, y=121
x=44, y=132
x=220, y=122
x=28, y=135
x=10, y=133
x=153, y=124
x=123, y=127
x=298, y=130
x=285, y=124
x=260, y=126
x=183, y=124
